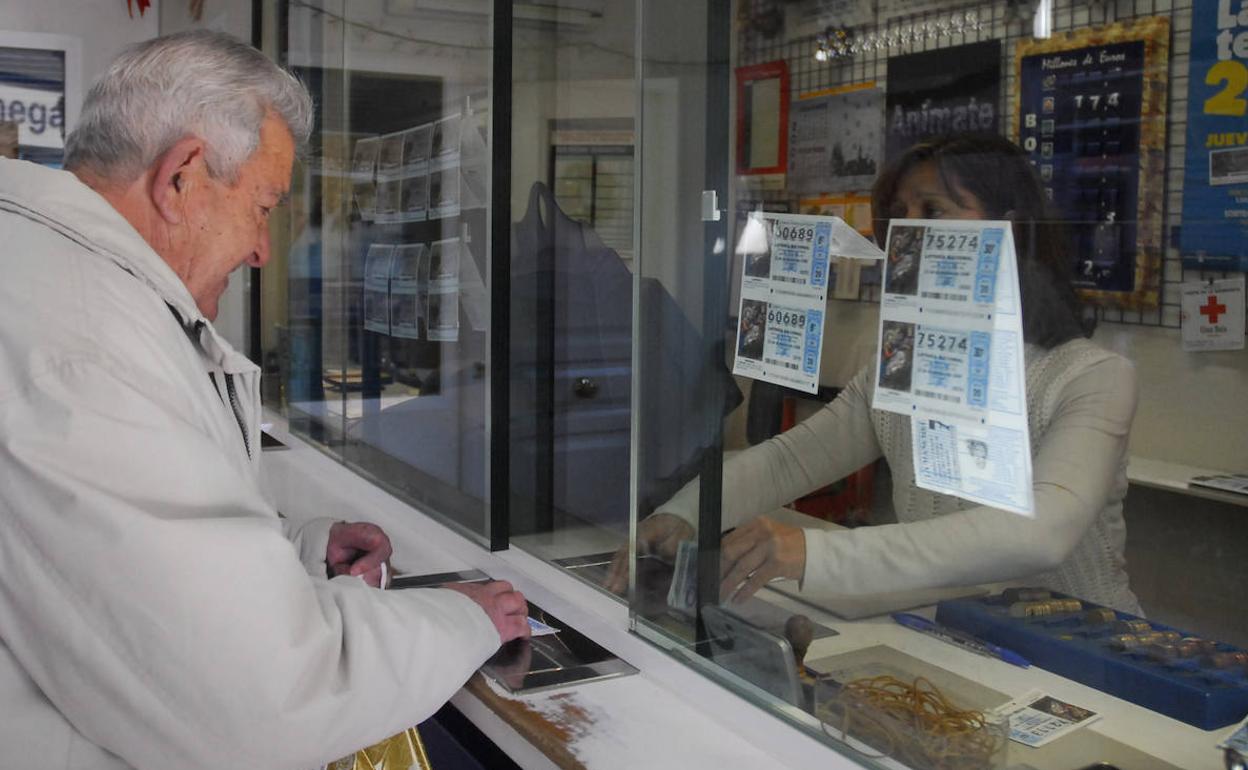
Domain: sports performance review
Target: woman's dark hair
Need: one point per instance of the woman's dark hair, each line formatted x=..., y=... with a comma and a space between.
x=1000, y=177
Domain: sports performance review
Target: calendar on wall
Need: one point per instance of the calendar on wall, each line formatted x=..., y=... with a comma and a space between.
x=1092, y=116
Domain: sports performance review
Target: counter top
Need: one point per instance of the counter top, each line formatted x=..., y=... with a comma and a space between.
x=1126, y=735
x=1173, y=477
x=666, y=716
x=669, y=715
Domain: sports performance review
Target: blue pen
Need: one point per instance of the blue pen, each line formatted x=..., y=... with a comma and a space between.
x=953, y=636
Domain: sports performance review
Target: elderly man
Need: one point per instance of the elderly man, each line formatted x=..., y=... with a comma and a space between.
x=152, y=612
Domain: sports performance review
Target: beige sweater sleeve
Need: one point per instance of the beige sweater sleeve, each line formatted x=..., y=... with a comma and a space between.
x=829, y=445
x=1075, y=470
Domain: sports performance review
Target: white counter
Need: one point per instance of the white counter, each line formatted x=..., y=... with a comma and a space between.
x=669, y=715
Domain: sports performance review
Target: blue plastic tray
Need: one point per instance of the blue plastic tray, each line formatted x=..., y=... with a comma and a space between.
x=1204, y=697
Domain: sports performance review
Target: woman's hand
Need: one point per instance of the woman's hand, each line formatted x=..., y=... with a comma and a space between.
x=660, y=535
x=755, y=553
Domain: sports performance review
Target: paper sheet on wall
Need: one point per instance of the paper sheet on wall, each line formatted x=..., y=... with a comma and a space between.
x=836, y=141
x=1212, y=314
x=950, y=357
x=377, y=287
x=405, y=289
x=784, y=289
x=442, y=306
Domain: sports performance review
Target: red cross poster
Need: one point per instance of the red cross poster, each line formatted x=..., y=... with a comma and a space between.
x=1213, y=314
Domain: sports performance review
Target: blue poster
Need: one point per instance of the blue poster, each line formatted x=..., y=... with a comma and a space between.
x=1214, y=235
x=1080, y=123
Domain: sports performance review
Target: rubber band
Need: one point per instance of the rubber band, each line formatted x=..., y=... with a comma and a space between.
x=917, y=725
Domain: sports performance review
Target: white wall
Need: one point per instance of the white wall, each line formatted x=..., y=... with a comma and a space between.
x=231, y=16
x=1192, y=405
x=535, y=104
x=378, y=38
x=102, y=26
x=566, y=71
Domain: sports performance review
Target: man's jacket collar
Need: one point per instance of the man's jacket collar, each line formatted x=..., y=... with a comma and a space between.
x=62, y=202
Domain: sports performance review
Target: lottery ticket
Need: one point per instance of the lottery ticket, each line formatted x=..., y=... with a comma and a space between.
x=538, y=628
x=1037, y=718
x=786, y=261
x=950, y=357
x=683, y=591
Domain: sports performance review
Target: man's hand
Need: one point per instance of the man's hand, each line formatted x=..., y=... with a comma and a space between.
x=754, y=553
x=506, y=606
x=357, y=548
x=660, y=535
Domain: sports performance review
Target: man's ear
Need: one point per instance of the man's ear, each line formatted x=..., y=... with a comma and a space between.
x=176, y=171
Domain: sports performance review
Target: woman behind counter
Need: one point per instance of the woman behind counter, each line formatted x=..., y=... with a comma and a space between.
x=1080, y=401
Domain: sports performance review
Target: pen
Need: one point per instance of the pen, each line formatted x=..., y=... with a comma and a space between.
x=955, y=637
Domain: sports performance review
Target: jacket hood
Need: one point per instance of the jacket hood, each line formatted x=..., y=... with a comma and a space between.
x=62, y=202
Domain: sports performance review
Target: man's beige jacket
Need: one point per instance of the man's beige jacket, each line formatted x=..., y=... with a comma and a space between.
x=153, y=613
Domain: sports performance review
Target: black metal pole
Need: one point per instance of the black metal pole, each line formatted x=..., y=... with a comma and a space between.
x=714, y=302
x=255, y=346
x=500, y=280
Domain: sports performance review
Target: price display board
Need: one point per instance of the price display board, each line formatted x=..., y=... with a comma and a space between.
x=1091, y=114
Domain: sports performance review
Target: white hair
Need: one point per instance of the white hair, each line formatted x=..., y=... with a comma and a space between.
x=198, y=83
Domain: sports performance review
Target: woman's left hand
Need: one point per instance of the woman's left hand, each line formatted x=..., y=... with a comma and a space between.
x=757, y=552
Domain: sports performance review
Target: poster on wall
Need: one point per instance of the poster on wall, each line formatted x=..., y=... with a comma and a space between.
x=406, y=268
x=1092, y=116
x=39, y=92
x=762, y=118
x=938, y=92
x=835, y=140
x=377, y=287
x=854, y=208
x=442, y=280
x=1214, y=235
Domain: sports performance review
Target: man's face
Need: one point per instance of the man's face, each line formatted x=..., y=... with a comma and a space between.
x=228, y=225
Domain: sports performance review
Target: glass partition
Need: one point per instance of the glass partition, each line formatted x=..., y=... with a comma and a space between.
x=812, y=313
x=385, y=344
x=588, y=327
x=960, y=258
x=573, y=162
